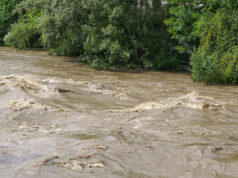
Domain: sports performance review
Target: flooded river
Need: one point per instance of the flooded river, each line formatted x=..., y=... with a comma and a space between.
x=59, y=119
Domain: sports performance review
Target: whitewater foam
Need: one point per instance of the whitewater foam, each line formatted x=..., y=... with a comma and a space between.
x=191, y=100
x=27, y=85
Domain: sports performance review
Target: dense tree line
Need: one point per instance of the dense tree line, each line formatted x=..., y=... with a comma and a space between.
x=157, y=34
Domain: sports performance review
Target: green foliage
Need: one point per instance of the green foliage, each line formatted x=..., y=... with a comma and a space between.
x=183, y=16
x=105, y=44
x=25, y=33
x=216, y=59
x=21, y=36
x=229, y=64
x=61, y=26
x=125, y=33
x=7, y=16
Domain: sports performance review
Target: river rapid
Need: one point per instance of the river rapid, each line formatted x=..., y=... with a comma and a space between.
x=59, y=119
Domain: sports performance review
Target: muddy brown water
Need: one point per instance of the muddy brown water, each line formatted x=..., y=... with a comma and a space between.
x=59, y=119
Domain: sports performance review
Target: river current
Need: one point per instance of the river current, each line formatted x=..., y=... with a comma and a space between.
x=60, y=119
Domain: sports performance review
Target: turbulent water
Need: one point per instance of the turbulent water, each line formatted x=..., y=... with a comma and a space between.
x=59, y=119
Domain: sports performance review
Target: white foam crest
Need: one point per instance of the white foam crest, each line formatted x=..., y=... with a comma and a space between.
x=20, y=104
x=191, y=100
x=27, y=84
x=66, y=81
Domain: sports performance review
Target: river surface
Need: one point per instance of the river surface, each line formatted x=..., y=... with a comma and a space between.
x=59, y=119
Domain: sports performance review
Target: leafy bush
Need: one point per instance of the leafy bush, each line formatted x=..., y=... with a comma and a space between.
x=61, y=26
x=216, y=60
x=127, y=33
x=21, y=36
x=7, y=16
x=229, y=64
x=181, y=21
x=25, y=33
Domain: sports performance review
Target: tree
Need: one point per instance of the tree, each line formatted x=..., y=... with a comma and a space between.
x=216, y=58
x=7, y=16
x=25, y=33
x=181, y=22
x=127, y=33
x=61, y=27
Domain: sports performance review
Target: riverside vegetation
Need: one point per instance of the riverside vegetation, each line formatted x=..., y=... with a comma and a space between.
x=162, y=35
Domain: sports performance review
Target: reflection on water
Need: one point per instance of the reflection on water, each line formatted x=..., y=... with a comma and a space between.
x=60, y=119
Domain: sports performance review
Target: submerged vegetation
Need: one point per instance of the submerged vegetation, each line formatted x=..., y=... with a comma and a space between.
x=163, y=35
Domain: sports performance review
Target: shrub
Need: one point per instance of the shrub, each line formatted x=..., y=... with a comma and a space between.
x=25, y=33
x=127, y=33
x=21, y=36
x=215, y=60
x=61, y=27
x=7, y=16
